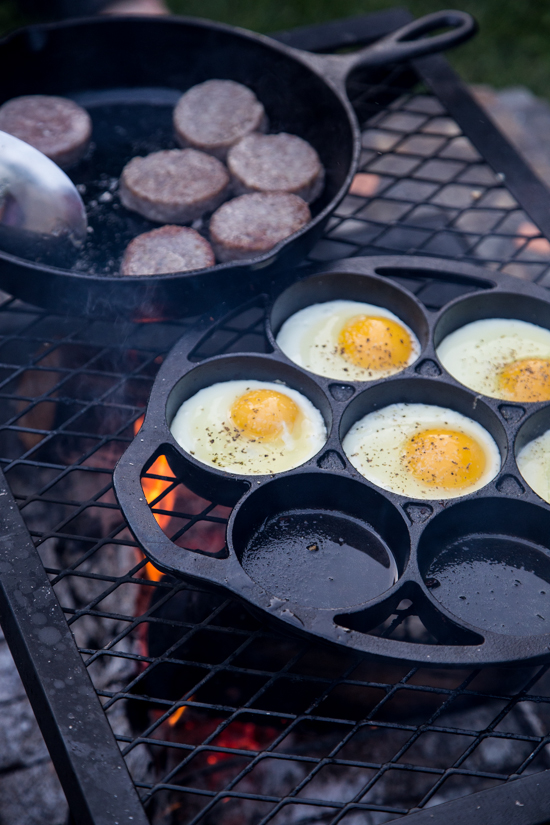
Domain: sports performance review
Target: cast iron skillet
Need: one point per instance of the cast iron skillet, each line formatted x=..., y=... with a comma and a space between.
x=321, y=550
x=129, y=73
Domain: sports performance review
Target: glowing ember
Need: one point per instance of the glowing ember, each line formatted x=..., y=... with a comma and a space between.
x=538, y=245
x=364, y=185
x=244, y=736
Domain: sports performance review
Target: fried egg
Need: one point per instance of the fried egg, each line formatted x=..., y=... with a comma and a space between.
x=500, y=357
x=534, y=465
x=349, y=340
x=249, y=427
x=422, y=451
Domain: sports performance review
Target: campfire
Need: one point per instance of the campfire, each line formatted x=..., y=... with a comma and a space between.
x=223, y=719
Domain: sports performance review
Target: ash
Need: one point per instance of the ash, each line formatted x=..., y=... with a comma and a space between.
x=30, y=793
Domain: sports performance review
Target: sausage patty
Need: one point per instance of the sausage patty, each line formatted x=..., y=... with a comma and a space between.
x=215, y=115
x=56, y=126
x=168, y=249
x=174, y=186
x=252, y=224
x=276, y=163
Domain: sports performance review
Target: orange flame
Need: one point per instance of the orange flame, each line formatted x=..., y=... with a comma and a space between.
x=152, y=489
x=176, y=716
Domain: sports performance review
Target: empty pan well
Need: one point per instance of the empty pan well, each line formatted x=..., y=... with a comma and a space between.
x=320, y=540
x=493, y=574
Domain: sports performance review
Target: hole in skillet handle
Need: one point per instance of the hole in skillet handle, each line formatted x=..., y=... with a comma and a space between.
x=189, y=520
x=459, y=26
x=320, y=540
x=420, y=37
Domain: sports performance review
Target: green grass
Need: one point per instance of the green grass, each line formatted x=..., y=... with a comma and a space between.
x=9, y=16
x=512, y=47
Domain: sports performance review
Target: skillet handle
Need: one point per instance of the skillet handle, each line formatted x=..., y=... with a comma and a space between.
x=406, y=43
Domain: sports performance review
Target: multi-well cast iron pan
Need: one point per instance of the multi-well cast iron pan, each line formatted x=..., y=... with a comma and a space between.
x=476, y=568
x=129, y=73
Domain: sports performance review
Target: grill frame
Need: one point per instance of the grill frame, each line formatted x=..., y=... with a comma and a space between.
x=96, y=780
x=521, y=802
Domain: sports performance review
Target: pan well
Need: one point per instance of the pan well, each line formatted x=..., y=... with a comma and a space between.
x=488, y=562
x=320, y=540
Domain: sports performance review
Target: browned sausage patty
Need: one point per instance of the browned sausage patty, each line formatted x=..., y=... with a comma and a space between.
x=276, y=163
x=56, y=126
x=253, y=224
x=174, y=186
x=215, y=115
x=168, y=249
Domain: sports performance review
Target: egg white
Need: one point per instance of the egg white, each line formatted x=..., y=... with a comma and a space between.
x=203, y=427
x=376, y=443
x=476, y=353
x=534, y=465
x=310, y=339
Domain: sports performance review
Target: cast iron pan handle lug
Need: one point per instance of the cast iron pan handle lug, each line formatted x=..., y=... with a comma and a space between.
x=157, y=546
x=406, y=43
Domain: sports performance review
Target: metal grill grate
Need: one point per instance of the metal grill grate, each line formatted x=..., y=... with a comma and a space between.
x=430, y=192
x=219, y=718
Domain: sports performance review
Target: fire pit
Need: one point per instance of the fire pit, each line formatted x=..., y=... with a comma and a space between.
x=219, y=719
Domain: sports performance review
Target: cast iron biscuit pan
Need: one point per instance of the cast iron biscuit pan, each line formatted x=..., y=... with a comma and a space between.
x=477, y=568
x=129, y=73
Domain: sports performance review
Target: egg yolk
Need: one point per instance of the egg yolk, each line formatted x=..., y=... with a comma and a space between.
x=526, y=380
x=444, y=458
x=264, y=414
x=375, y=343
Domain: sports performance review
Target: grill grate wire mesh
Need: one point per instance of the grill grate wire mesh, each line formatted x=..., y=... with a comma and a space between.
x=220, y=718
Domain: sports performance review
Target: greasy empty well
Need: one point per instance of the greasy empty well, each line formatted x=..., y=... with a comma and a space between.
x=488, y=563
x=320, y=540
